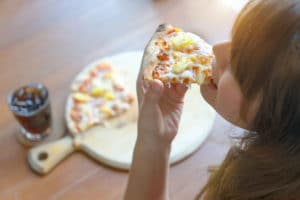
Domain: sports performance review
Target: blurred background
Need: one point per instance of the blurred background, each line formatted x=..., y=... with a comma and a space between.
x=62, y=36
x=57, y=31
x=50, y=41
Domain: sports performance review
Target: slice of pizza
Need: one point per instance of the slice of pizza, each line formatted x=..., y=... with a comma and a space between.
x=97, y=96
x=175, y=56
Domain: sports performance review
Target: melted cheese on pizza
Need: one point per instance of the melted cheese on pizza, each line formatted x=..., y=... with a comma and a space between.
x=98, y=95
x=181, y=57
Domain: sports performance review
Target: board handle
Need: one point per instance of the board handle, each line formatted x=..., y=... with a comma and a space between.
x=45, y=157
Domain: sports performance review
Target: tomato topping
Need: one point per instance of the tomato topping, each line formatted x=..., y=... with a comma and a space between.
x=130, y=98
x=186, y=81
x=171, y=31
x=162, y=56
x=195, y=70
x=155, y=75
x=93, y=73
x=118, y=88
x=104, y=67
x=173, y=80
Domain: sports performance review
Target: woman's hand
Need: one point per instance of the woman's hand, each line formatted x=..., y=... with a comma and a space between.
x=159, y=115
x=160, y=109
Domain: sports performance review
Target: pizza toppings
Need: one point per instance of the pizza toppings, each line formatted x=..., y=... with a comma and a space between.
x=184, y=42
x=97, y=96
x=179, y=57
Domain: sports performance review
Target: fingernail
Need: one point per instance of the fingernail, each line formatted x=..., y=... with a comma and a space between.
x=156, y=88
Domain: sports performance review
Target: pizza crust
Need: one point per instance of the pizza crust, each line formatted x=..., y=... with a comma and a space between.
x=70, y=124
x=150, y=52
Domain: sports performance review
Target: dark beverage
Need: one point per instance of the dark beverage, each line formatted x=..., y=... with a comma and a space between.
x=31, y=107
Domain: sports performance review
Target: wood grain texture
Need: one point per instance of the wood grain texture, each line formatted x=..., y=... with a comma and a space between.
x=49, y=41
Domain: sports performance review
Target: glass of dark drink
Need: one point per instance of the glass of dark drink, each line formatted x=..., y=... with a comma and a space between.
x=30, y=105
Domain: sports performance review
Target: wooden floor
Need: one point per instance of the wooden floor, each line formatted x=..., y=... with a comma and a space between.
x=49, y=41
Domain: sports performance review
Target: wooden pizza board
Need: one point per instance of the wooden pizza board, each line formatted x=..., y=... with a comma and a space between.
x=114, y=146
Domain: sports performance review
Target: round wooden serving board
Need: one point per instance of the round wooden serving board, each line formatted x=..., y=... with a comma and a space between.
x=114, y=147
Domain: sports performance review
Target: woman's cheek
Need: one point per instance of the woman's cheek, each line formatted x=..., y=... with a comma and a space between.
x=228, y=99
x=208, y=94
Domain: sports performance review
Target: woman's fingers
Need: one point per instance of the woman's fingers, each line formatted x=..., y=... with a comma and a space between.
x=175, y=93
x=154, y=90
x=180, y=89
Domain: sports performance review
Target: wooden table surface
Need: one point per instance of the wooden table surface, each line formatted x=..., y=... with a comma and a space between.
x=49, y=41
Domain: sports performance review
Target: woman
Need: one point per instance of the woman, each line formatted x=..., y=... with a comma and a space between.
x=257, y=87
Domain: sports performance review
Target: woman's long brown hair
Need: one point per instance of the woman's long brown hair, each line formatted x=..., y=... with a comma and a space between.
x=265, y=60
